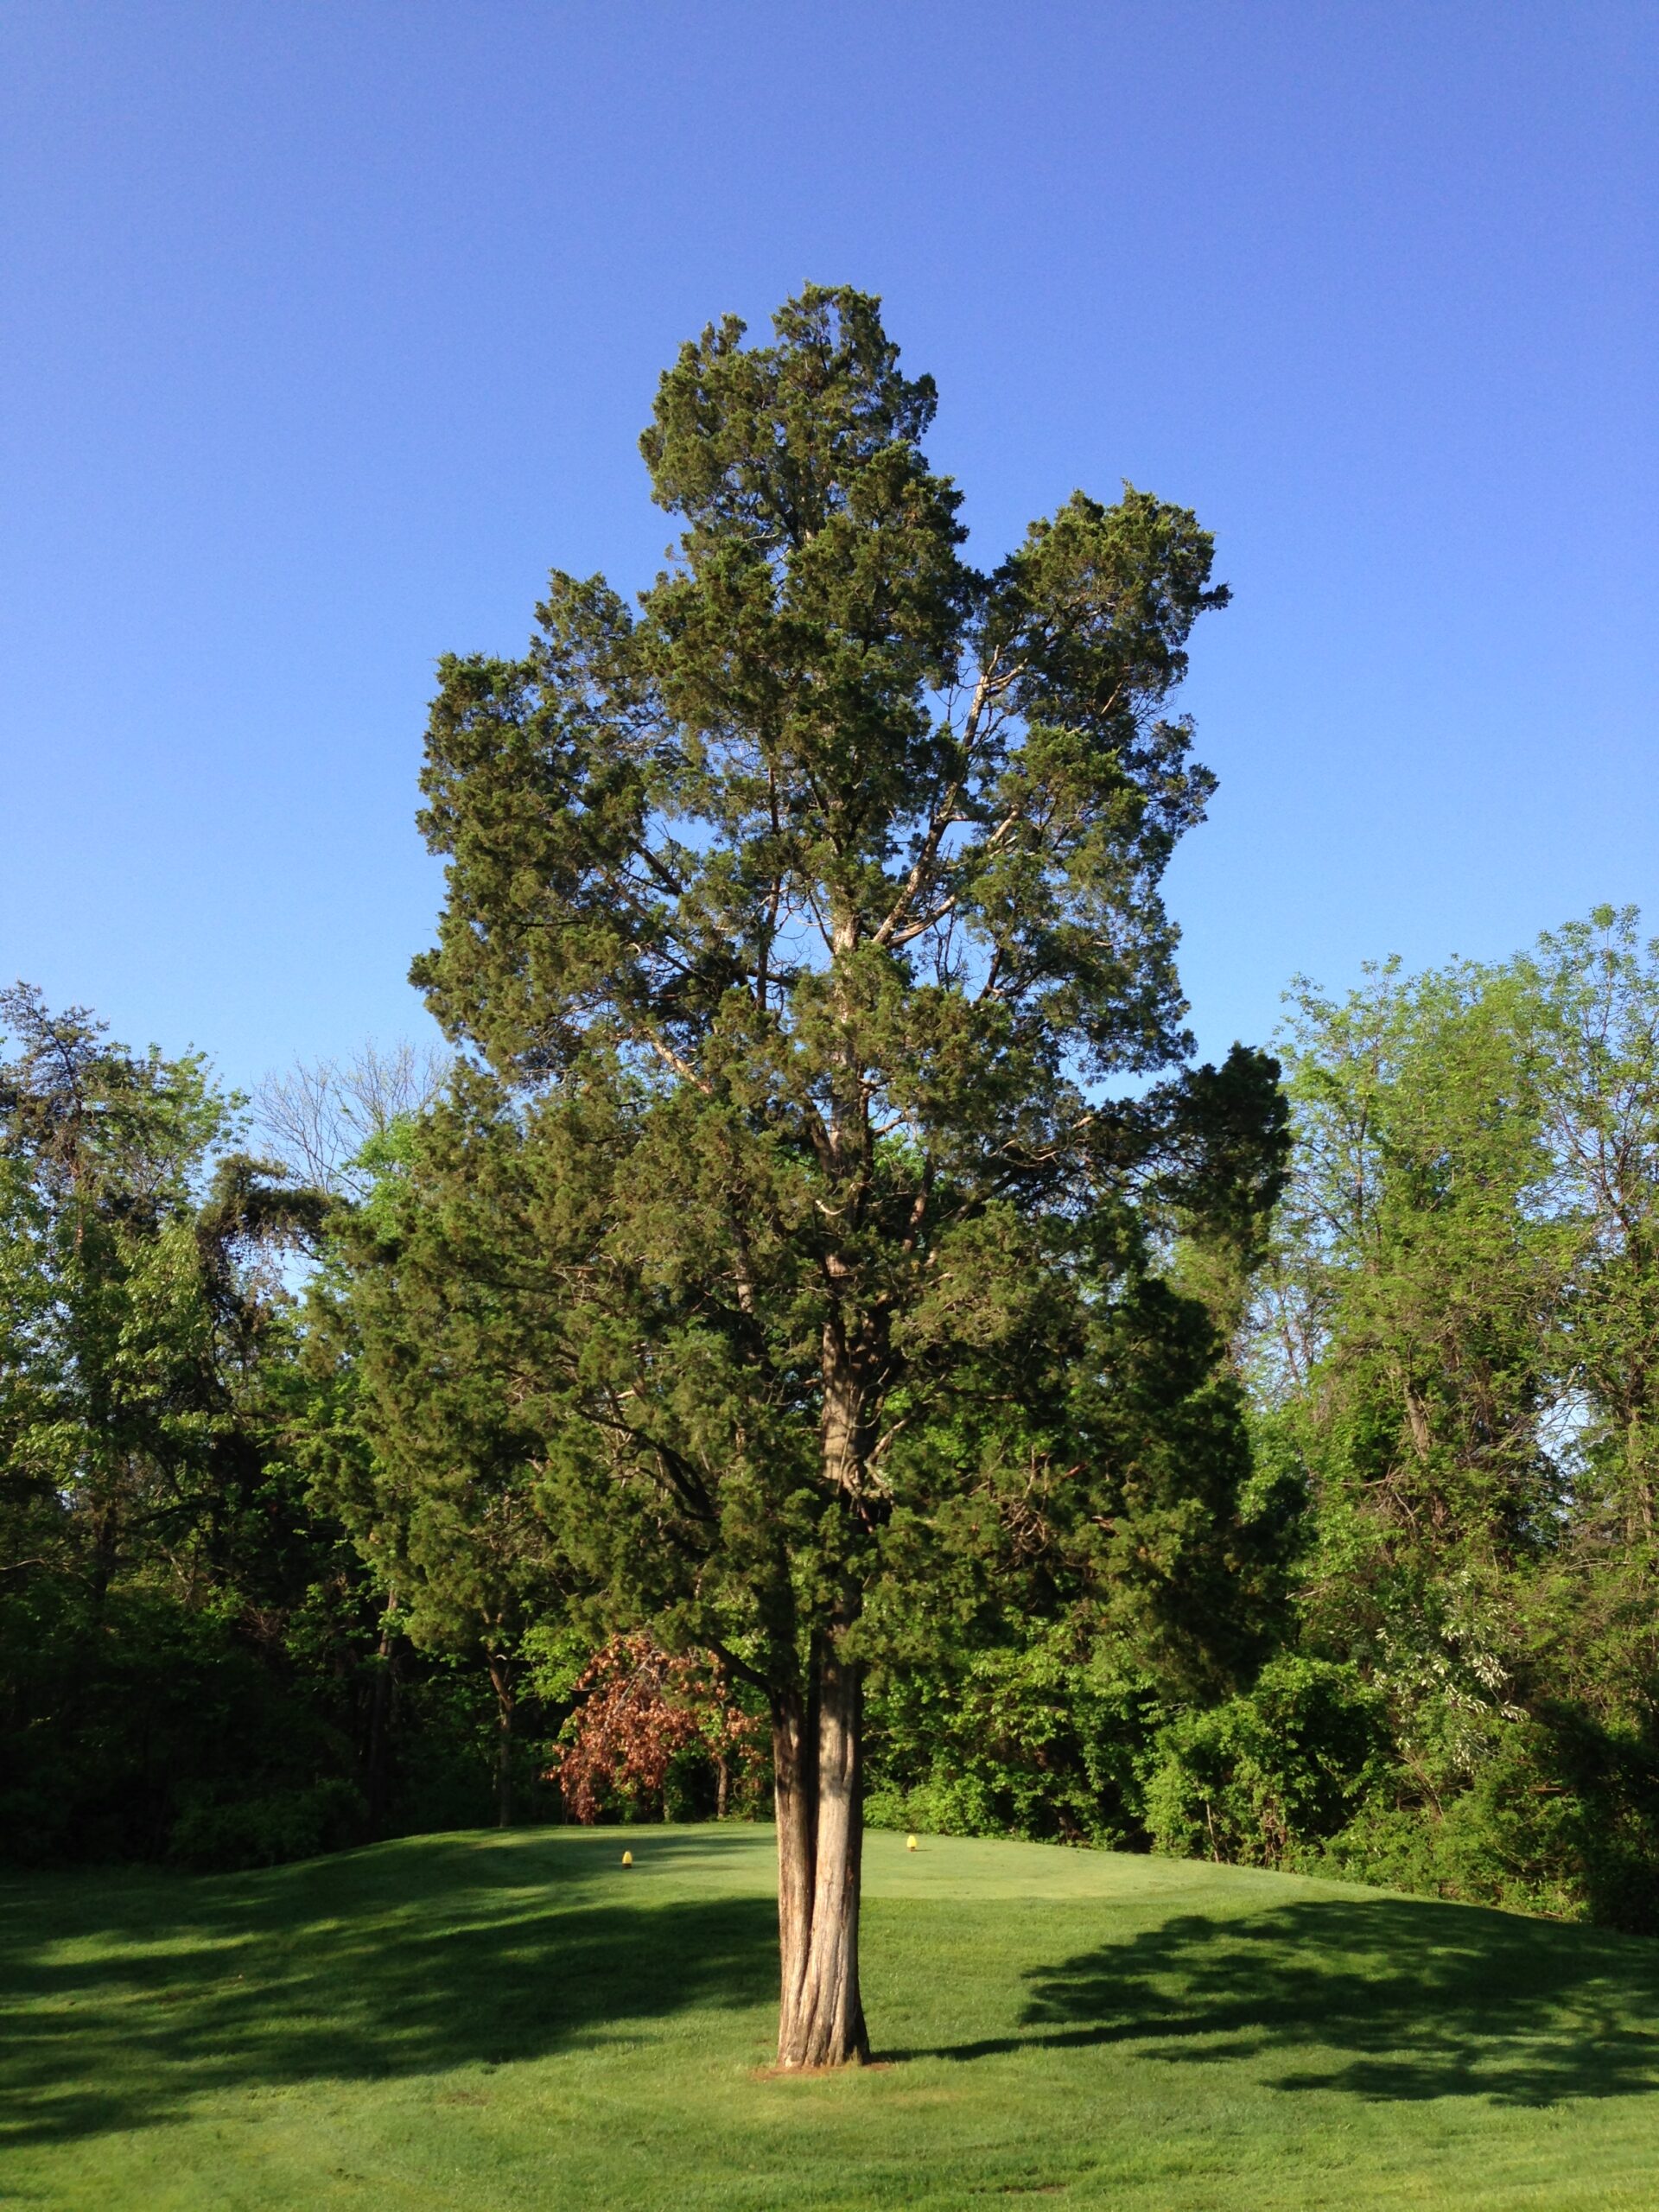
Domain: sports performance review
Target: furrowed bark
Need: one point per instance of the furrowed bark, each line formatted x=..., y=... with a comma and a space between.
x=820, y=1850
x=794, y=1762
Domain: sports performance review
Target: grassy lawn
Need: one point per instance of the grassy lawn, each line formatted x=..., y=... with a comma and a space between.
x=515, y=2021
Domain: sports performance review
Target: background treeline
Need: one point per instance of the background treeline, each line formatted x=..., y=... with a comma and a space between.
x=1375, y=1590
x=196, y=1660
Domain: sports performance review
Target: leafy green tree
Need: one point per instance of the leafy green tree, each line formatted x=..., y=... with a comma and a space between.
x=1261, y=1778
x=1422, y=1260
x=1456, y=1339
x=137, y=1306
x=1589, y=1022
x=152, y=1537
x=809, y=916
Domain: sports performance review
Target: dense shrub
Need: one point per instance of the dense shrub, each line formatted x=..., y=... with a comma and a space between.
x=1264, y=1777
x=213, y=1836
x=1027, y=1739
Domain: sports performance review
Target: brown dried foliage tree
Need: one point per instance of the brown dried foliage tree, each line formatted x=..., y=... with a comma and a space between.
x=643, y=1706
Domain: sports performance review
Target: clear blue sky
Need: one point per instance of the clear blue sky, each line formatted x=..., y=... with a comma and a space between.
x=328, y=328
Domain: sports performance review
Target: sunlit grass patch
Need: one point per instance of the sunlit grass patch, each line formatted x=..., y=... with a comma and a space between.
x=485, y=2021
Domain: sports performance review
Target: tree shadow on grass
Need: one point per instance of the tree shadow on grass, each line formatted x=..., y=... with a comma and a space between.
x=1385, y=1998
x=126, y=2002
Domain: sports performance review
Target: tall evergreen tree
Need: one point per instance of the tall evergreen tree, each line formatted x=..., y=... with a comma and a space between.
x=811, y=915
x=425, y=1455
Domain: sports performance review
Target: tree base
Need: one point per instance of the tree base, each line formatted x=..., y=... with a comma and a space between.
x=776, y=2073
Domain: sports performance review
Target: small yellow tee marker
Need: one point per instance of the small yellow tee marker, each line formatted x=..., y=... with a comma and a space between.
x=627, y=1859
x=910, y=1843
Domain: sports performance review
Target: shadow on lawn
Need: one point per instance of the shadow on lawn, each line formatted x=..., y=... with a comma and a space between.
x=130, y=1999
x=1386, y=1997
x=127, y=2002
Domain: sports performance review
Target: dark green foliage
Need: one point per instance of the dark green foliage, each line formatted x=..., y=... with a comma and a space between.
x=1267, y=1777
x=142, y=1726
x=188, y=1661
x=798, y=915
x=1031, y=1735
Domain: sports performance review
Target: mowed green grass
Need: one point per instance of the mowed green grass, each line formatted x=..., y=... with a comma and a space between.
x=516, y=2021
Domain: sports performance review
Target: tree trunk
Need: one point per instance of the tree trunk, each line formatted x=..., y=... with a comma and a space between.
x=501, y=1677
x=816, y=1756
x=818, y=1768
x=377, y=1762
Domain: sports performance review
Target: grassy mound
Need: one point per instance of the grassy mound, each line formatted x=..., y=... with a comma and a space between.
x=483, y=2021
